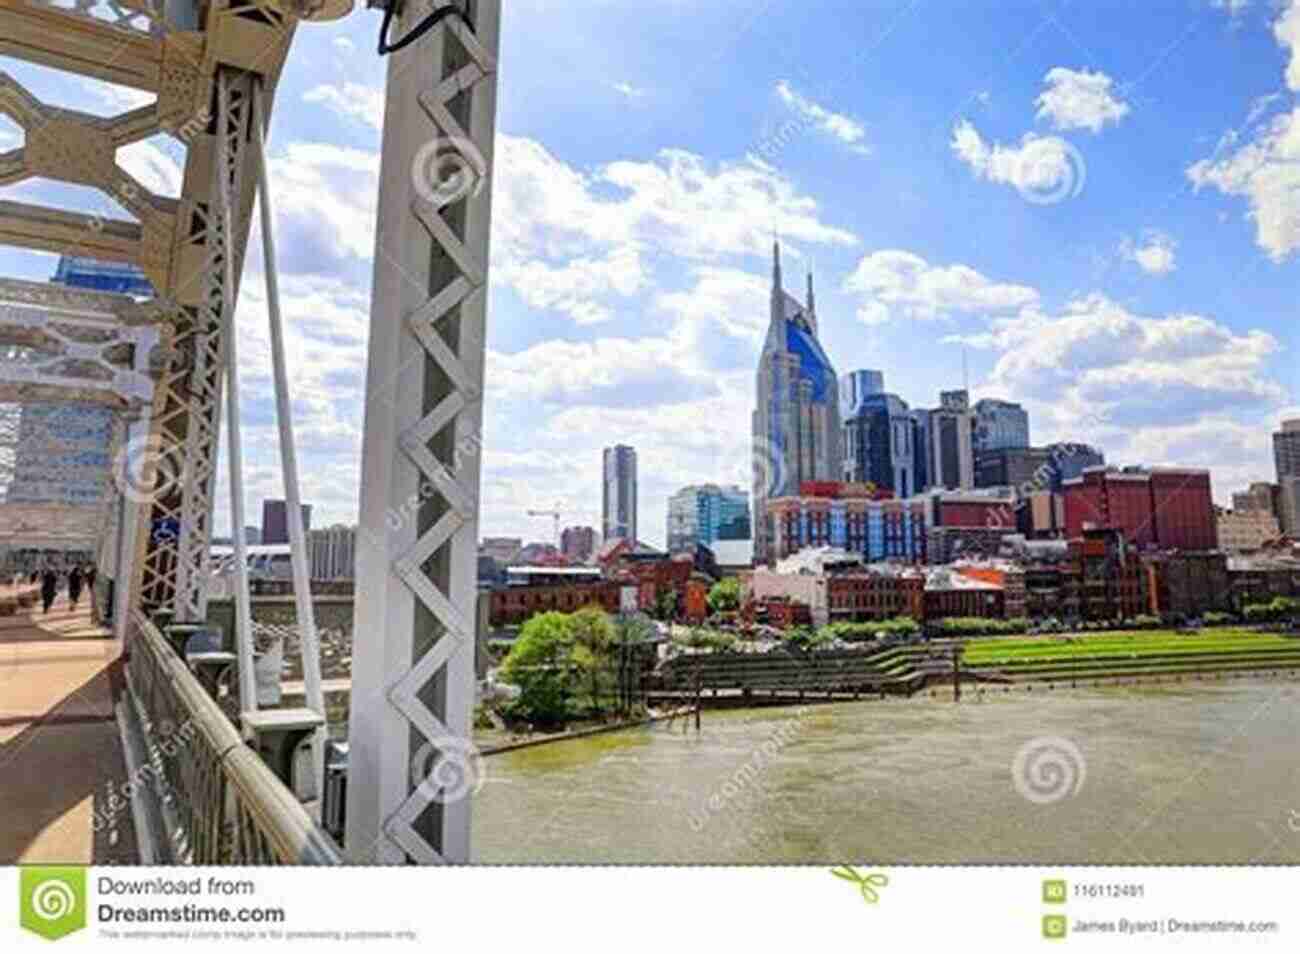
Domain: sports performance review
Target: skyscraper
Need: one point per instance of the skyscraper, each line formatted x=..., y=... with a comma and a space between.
x=706, y=513
x=1286, y=458
x=796, y=425
x=619, y=494
x=1000, y=425
x=856, y=387
x=880, y=444
x=950, y=457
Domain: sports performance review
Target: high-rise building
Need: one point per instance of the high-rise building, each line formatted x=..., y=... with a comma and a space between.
x=1286, y=449
x=1164, y=507
x=1000, y=425
x=619, y=493
x=1260, y=495
x=578, y=543
x=1288, y=506
x=856, y=387
x=921, y=446
x=880, y=444
x=1286, y=458
x=275, y=521
x=950, y=455
x=707, y=513
x=1025, y=468
x=796, y=426
x=332, y=552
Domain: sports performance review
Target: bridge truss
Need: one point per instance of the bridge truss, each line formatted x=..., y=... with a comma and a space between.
x=211, y=67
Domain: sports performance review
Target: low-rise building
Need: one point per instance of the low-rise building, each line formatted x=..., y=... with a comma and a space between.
x=1187, y=584
x=1106, y=576
x=1246, y=530
x=530, y=590
x=949, y=593
x=1261, y=577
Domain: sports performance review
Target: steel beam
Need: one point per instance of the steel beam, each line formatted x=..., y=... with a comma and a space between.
x=413, y=674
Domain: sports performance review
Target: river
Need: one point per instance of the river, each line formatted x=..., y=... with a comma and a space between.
x=1190, y=773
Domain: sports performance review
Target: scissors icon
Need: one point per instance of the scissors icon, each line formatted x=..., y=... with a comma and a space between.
x=867, y=884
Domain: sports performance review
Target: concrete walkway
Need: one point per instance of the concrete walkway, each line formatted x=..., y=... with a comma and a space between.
x=62, y=770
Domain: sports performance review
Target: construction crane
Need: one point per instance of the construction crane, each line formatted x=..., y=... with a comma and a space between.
x=555, y=515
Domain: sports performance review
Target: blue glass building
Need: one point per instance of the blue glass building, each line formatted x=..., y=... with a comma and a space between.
x=796, y=425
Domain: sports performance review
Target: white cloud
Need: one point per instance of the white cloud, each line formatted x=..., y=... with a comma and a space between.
x=1097, y=361
x=1154, y=253
x=628, y=90
x=1287, y=31
x=353, y=100
x=118, y=99
x=1040, y=166
x=152, y=167
x=1267, y=172
x=1078, y=99
x=570, y=240
x=895, y=283
x=325, y=205
x=844, y=128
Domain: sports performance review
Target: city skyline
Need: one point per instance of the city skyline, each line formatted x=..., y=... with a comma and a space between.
x=1149, y=313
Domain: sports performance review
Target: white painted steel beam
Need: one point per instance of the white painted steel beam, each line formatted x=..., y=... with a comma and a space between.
x=413, y=667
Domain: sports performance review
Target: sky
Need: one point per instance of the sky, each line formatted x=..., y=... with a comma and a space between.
x=1092, y=208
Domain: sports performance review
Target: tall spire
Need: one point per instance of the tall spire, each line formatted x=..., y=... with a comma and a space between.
x=812, y=306
x=776, y=265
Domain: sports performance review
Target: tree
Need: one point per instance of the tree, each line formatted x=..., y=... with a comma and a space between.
x=594, y=636
x=724, y=596
x=540, y=664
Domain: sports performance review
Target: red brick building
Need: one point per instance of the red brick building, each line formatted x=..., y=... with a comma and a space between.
x=514, y=605
x=1168, y=508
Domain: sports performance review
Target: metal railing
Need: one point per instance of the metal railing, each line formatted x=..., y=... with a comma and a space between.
x=218, y=801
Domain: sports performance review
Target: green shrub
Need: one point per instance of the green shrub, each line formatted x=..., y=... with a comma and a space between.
x=805, y=638
x=700, y=638
x=724, y=596
x=979, y=626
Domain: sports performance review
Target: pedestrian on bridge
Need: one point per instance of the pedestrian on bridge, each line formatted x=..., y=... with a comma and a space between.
x=49, y=587
x=74, y=586
x=91, y=574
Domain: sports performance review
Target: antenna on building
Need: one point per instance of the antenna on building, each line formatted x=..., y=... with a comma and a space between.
x=965, y=371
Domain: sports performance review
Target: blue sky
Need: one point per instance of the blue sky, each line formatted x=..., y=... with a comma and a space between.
x=1098, y=203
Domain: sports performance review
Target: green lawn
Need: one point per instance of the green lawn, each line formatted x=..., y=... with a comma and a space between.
x=1123, y=645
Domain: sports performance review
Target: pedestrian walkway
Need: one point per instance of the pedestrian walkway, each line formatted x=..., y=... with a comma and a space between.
x=62, y=771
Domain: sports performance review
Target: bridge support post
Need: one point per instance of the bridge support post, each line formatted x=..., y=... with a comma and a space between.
x=410, y=761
